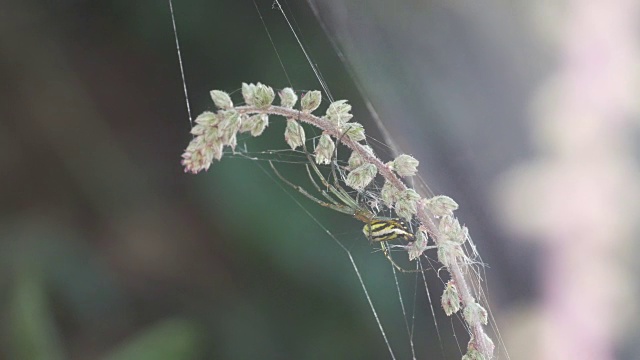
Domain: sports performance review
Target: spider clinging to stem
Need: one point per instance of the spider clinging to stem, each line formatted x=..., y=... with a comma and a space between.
x=377, y=229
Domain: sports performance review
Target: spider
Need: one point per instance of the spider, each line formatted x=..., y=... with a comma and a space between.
x=376, y=229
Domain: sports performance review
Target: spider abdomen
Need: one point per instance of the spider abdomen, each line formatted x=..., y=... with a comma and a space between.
x=385, y=230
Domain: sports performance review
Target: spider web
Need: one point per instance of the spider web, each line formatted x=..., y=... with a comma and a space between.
x=411, y=290
x=477, y=273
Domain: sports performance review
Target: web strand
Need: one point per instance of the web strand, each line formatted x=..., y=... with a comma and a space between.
x=344, y=248
x=314, y=67
x=184, y=80
x=404, y=313
x=273, y=44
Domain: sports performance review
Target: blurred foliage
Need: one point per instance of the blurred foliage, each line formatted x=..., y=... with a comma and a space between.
x=35, y=335
x=171, y=339
x=33, y=332
x=109, y=251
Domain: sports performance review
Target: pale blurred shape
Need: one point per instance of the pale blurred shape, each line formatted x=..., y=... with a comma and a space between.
x=579, y=195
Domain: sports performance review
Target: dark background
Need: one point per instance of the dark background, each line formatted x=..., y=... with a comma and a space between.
x=108, y=250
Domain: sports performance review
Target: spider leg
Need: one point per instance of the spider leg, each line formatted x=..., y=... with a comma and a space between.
x=316, y=170
x=387, y=254
x=343, y=196
x=334, y=165
x=320, y=190
x=340, y=208
x=350, y=206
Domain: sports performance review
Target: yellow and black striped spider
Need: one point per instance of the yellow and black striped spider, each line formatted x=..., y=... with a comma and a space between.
x=376, y=229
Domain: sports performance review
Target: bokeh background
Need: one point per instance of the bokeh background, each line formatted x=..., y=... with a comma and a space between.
x=524, y=112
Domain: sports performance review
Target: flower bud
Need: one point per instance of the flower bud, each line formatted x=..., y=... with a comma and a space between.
x=448, y=252
x=207, y=118
x=405, y=165
x=472, y=348
x=473, y=354
x=310, y=101
x=451, y=231
x=360, y=177
x=198, y=130
x=248, y=93
x=474, y=313
x=338, y=112
x=229, y=126
x=407, y=204
x=355, y=131
x=450, y=299
x=417, y=247
x=443, y=255
x=211, y=135
x=389, y=194
x=288, y=98
x=221, y=99
x=440, y=205
x=199, y=155
x=263, y=96
x=356, y=160
x=216, y=150
x=324, y=149
x=294, y=134
x=255, y=124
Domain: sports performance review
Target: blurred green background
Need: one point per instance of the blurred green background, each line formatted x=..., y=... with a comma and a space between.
x=109, y=251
